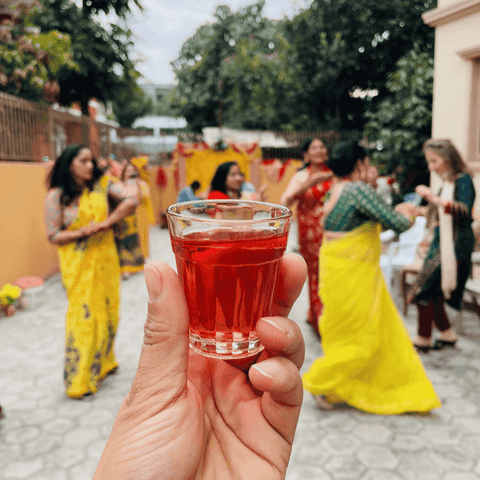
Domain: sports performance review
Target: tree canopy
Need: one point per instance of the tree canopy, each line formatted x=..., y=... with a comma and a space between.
x=299, y=73
x=403, y=119
x=29, y=60
x=102, y=53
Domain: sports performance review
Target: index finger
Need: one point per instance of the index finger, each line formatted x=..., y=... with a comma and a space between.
x=293, y=272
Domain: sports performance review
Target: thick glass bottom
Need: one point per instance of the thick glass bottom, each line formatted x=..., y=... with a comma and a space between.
x=240, y=346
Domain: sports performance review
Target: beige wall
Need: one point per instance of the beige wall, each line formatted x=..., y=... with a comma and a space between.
x=24, y=249
x=456, y=102
x=457, y=25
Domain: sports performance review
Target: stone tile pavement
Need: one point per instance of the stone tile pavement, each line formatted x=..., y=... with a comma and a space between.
x=46, y=436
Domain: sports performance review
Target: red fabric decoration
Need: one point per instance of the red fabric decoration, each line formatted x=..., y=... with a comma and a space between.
x=390, y=181
x=448, y=208
x=176, y=177
x=161, y=181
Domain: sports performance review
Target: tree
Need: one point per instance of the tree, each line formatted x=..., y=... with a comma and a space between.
x=130, y=104
x=102, y=54
x=205, y=81
x=29, y=61
x=339, y=46
x=403, y=119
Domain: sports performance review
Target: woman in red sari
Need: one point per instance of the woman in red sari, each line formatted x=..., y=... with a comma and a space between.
x=308, y=188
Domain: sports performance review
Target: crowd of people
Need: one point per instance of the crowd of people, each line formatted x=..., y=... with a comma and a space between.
x=369, y=361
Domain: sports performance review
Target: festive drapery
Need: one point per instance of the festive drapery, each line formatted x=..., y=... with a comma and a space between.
x=202, y=161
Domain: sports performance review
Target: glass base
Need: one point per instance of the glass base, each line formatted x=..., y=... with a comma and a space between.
x=226, y=350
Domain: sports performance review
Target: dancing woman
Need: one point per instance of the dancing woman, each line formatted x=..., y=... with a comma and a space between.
x=307, y=189
x=368, y=358
x=448, y=262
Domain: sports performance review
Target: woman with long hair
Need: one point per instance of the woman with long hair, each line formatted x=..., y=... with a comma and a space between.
x=368, y=358
x=127, y=232
x=226, y=182
x=307, y=189
x=78, y=221
x=448, y=262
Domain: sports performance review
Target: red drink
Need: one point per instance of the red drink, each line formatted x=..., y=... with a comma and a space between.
x=229, y=279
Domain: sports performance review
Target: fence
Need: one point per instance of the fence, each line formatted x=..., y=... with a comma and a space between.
x=30, y=131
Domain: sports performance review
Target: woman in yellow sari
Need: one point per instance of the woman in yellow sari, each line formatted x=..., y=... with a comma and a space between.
x=369, y=361
x=132, y=232
x=78, y=222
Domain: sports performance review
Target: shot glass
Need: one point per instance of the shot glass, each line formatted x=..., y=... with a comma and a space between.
x=228, y=255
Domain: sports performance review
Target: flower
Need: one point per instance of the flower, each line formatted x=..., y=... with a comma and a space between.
x=9, y=294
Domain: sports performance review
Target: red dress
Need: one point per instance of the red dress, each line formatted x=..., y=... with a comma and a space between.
x=217, y=195
x=310, y=234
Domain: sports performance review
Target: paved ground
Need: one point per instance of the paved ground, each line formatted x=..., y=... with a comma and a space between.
x=46, y=436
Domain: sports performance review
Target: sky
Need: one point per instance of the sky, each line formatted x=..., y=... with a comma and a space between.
x=165, y=24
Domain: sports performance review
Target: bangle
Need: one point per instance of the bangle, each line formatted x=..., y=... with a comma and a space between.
x=412, y=218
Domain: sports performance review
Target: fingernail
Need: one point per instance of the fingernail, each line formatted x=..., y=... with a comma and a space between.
x=281, y=325
x=268, y=369
x=153, y=282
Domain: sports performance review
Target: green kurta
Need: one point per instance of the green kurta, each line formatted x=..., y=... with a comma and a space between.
x=428, y=283
x=359, y=203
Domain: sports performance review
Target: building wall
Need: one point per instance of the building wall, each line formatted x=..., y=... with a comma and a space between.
x=456, y=93
x=456, y=31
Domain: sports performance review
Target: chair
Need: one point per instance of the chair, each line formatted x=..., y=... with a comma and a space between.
x=403, y=252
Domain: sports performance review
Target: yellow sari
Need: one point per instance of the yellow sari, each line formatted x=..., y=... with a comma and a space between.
x=91, y=275
x=369, y=361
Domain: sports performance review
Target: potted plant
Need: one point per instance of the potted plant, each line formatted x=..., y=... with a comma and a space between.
x=9, y=294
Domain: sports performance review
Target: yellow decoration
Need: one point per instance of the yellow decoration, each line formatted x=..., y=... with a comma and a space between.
x=141, y=164
x=9, y=294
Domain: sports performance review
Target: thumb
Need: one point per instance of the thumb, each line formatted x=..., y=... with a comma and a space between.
x=164, y=357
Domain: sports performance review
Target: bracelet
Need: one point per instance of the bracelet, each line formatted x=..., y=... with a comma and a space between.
x=412, y=218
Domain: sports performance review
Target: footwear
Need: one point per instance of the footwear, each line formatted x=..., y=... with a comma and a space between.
x=422, y=348
x=440, y=344
x=323, y=403
x=113, y=371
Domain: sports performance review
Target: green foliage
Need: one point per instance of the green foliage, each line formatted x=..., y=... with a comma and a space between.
x=102, y=53
x=402, y=121
x=207, y=80
x=300, y=73
x=130, y=104
x=339, y=46
x=30, y=60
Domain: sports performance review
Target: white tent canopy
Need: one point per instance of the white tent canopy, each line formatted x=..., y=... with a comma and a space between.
x=160, y=123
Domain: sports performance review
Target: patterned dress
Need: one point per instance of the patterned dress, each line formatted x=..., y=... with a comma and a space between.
x=91, y=276
x=310, y=234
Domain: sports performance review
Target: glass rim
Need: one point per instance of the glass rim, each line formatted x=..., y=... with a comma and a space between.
x=287, y=213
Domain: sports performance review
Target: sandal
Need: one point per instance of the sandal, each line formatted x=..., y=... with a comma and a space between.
x=441, y=344
x=422, y=348
x=323, y=403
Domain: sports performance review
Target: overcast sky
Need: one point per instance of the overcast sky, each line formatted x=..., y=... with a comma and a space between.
x=165, y=24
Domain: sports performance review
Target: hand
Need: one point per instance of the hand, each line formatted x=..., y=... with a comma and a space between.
x=93, y=229
x=425, y=192
x=421, y=211
x=191, y=417
x=319, y=177
x=406, y=209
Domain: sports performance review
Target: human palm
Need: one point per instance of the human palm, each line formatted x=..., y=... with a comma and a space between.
x=192, y=417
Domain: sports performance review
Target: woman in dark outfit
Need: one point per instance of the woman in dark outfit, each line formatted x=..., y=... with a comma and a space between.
x=448, y=262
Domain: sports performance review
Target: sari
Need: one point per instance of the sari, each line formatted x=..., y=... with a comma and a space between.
x=132, y=234
x=91, y=275
x=369, y=361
